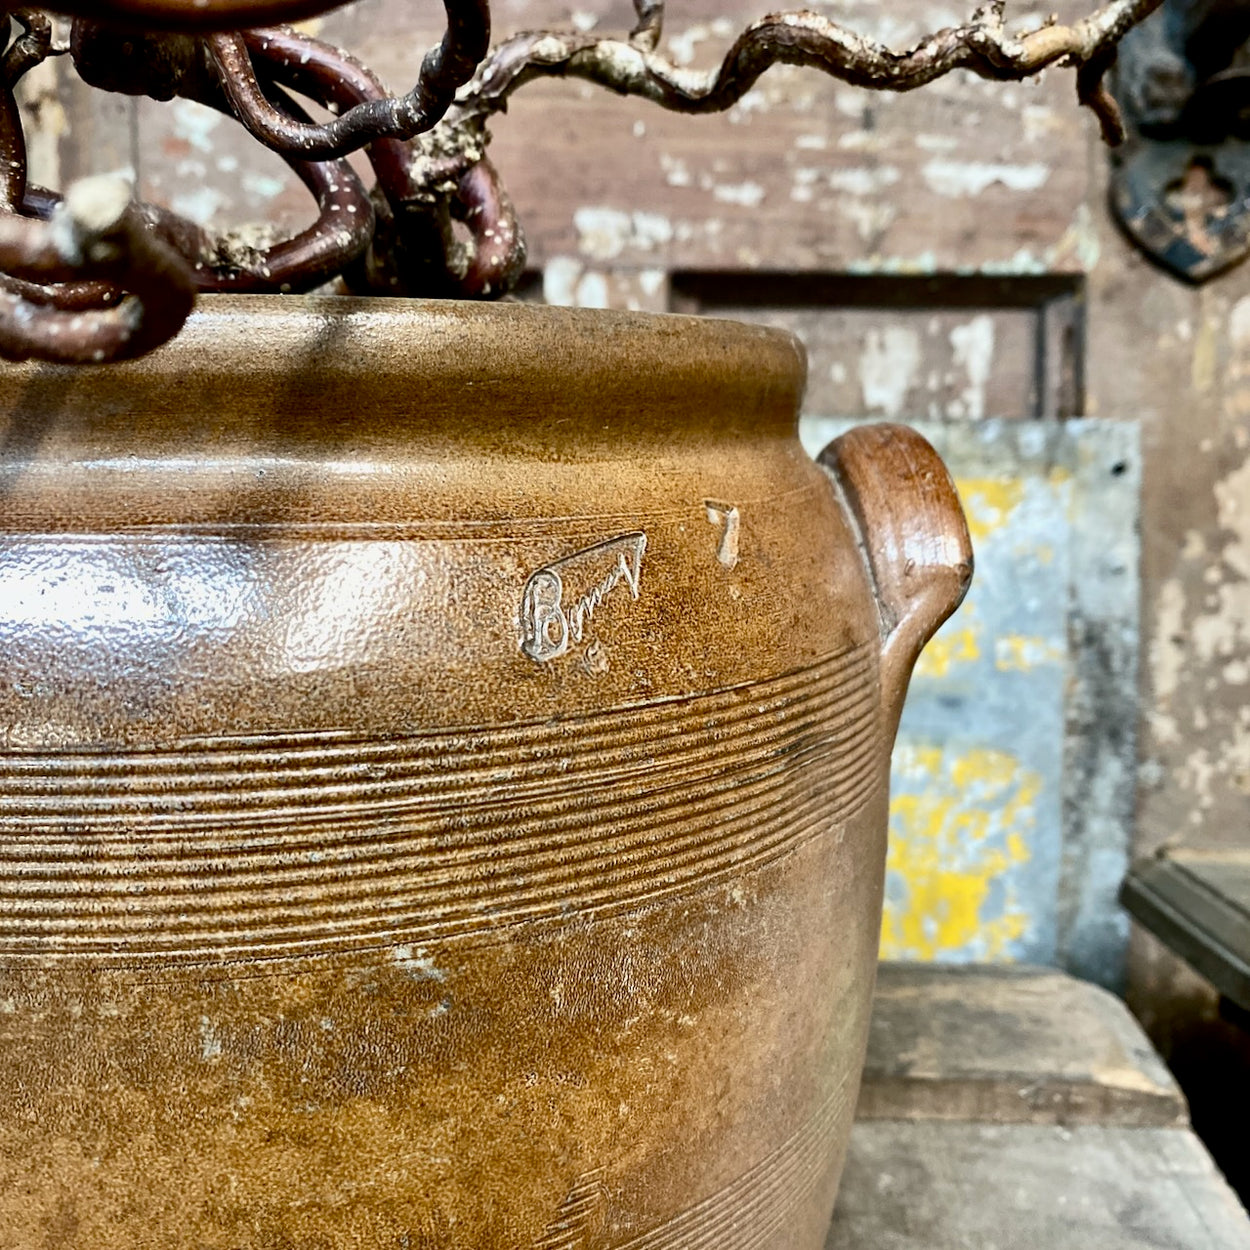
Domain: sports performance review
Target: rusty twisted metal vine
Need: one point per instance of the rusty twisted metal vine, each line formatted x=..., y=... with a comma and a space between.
x=95, y=277
x=445, y=69
x=983, y=46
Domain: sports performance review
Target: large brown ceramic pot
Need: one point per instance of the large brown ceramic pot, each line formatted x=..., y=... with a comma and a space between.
x=443, y=782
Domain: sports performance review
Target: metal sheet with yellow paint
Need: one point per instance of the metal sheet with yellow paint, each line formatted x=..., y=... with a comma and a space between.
x=1011, y=798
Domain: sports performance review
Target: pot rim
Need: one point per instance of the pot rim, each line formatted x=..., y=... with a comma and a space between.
x=496, y=327
x=385, y=370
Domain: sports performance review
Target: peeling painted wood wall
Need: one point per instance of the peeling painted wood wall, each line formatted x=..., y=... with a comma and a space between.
x=946, y=255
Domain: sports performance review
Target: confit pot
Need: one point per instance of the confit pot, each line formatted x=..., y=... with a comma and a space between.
x=443, y=781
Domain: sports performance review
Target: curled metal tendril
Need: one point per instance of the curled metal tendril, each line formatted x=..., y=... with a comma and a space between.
x=35, y=44
x=445, y=69
x=96, y=277
x=983, y=46
x=95, y=237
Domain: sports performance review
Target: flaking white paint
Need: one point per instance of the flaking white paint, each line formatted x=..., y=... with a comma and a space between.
x=265, y=186
x=604, y=233
x=1239, y=322
x=1041, y=124
x=887, y=365
x=973, y=347
x=651, y=281
x=676, y=171
x=195, y=124
x=567, y=284
x=201, y=205
x=683, y=46
x=925, y=263
x=1167, y=658
x=968, y=179
x=871, y=218
x=864, y=180
x=744, y=194
x=1201, y=642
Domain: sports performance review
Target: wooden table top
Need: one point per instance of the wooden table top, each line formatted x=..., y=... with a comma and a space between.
x=1019, y=1109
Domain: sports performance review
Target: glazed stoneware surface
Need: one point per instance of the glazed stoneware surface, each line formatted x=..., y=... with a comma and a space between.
x=443, y=769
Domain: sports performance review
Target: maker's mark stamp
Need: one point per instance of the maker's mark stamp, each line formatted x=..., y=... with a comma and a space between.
x=548, y=623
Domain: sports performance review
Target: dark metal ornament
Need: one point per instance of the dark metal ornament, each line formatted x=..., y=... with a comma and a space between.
x=1180, y=185
x=1187, y=207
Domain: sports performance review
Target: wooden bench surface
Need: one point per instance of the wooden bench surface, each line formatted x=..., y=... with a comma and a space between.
x=1019, y=1109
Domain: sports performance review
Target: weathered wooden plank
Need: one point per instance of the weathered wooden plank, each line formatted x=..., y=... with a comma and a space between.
x=806, y=175
x=1010, y=1045
x=927, y=1186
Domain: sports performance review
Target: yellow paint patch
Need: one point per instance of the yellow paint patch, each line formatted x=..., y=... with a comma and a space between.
x=965, y=823
x=949, y=647
x=988, y=503
x=1020, y=653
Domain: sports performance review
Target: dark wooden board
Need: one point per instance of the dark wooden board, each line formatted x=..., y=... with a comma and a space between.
x=1198, y=903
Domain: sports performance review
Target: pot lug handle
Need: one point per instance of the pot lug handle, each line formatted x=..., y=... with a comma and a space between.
x=911, y=531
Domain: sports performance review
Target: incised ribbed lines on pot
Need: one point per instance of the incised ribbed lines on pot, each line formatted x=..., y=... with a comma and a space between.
x=743, y=1215
x=305, y=845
